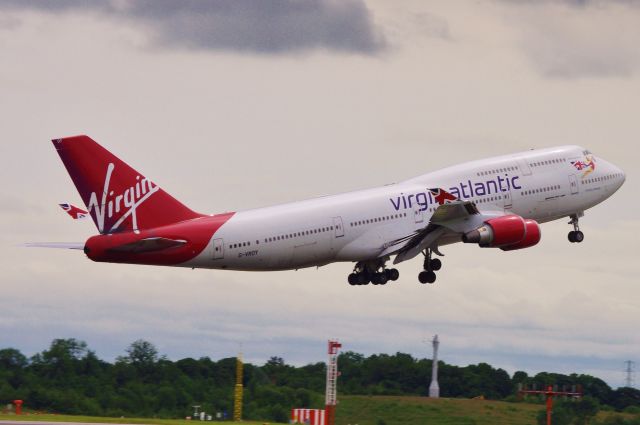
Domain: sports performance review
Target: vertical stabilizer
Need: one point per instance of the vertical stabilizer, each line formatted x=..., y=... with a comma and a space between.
x=117, y=197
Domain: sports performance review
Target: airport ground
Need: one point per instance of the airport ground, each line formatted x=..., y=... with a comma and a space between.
x=372, y=410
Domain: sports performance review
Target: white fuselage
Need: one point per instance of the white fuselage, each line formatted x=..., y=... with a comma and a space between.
x=542, y=185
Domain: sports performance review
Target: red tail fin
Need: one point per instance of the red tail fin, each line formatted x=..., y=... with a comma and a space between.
x=117, y=196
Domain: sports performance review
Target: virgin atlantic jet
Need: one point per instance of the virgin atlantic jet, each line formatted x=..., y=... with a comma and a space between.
x=493, y=203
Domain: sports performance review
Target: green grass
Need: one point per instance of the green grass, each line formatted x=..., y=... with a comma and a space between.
x=375, y=410
x=387, y=410
x=378, y=410
x=70, y=418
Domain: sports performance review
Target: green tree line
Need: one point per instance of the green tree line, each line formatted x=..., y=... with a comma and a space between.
x=68, y=377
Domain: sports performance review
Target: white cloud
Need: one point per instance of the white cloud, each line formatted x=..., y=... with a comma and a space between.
x=564, y=40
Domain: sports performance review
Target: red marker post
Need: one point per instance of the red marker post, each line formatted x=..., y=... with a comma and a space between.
x=18, y=404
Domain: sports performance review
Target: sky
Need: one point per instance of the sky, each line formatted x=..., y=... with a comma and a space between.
x=231, y=105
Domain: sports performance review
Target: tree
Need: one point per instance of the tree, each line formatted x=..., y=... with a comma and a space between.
x=141, y=353
x=65, y=349
x=12, y=359
x=624, y=397
x=559, y=416
x=519, y=377
x=585, y=409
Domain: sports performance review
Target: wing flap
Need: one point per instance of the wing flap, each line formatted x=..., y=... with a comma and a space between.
x=454, y=211
x=419, y=244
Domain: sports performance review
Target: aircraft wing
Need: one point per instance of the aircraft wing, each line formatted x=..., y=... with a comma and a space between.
x=453, y=216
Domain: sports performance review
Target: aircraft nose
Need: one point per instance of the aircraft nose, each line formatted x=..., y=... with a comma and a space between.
x=622, y=177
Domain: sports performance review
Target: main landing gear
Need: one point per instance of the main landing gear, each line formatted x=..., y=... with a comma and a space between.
x=575, y=236
x=431, y=265
x=375, y=272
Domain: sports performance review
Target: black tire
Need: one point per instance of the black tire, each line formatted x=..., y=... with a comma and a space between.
x=571, y=236
x=363, y=279
x=393, y=274
x=383, y=278
x=375, y=278
x=431, y=277
x=578, y=236
x=436, y=264
x=423, y=277
x=353, y=279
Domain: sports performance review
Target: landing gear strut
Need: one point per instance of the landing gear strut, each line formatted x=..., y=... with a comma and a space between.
x=575, y=236
x=431, y=265
x=374, y=272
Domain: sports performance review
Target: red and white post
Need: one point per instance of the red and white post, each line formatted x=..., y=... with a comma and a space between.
x=332, y=378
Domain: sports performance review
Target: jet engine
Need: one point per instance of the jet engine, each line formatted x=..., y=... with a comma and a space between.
x=508, y=233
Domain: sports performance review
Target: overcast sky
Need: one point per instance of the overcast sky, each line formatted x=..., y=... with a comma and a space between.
x=231, y=105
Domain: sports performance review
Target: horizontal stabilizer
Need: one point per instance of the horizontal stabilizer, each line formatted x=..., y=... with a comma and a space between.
x=59, y=245
x=149, y=245
x=75, y=212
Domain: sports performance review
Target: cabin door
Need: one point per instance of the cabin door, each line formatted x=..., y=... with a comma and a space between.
x=218, y=249
x=418, y=214
x=338, y=228
x=506, y=197
x=573, y=184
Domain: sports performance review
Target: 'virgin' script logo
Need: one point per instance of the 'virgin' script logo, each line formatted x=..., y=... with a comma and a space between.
x=120, y=205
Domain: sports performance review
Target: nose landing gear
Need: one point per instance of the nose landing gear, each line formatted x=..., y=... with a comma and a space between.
x=575, y=236
x=373, y=272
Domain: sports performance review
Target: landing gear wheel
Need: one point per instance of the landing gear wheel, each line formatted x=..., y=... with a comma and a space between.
x=431, y=277
x=422, y=277
x=427, y=277
x=435, y=264
x=392, y=274
x=379, y=278
x=353, y=279
x=576, y=236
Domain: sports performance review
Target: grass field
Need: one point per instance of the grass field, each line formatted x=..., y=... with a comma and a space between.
x=376, y=410
x=381, y=410
x=93, y=419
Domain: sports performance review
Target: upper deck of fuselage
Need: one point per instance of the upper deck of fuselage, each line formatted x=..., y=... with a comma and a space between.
x=529, y=157
x=454, y=172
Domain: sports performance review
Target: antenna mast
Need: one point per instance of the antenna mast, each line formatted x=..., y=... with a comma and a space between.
x=434, y=388
x=237, y=402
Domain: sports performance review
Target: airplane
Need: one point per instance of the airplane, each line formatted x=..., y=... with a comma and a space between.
x=498, y=202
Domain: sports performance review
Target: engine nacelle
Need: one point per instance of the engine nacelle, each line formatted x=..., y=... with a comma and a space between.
x=533, y=236
x=498, y=232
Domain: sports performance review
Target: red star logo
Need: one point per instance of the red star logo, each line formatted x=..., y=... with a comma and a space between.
x=442, y=196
